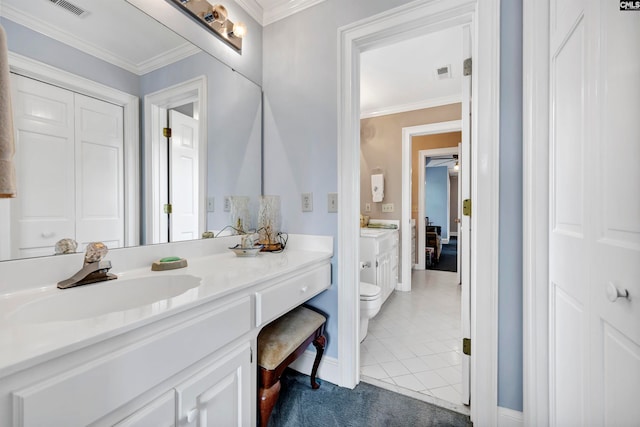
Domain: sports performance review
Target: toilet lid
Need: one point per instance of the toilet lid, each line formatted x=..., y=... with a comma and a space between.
x=368, y=290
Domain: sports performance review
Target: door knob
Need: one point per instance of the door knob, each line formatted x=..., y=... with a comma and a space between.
x=614, y=293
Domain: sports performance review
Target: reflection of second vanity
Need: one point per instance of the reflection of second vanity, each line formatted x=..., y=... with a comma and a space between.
x=161, y=348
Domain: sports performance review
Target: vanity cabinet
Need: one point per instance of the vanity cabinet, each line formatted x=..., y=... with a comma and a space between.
x=175, y=362
x=379, y=253
x=98, y=387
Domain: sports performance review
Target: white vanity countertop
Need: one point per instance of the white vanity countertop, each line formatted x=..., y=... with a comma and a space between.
x=30, y=334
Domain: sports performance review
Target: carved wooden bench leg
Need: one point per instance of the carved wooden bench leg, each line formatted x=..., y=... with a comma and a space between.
x=319, y=344
x=267, y=396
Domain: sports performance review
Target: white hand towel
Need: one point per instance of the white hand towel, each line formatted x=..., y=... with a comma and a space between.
x=377, y=187
x=7, y=147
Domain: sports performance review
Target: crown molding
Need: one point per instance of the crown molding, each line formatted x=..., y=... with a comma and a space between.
x=275, y=10
x=43, y=27
x=253, y=8
x=403, y=108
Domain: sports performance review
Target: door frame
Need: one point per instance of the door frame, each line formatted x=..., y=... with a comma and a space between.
x=155, y=106
x=407, y=135
x=32, y=68
x=535, y=210
x=417, y=18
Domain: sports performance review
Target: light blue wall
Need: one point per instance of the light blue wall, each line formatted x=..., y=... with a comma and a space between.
x=510, y=252
x=234, y=129
x=436, y=201
x=300, y=128
x=31, y=44
x=300, y=83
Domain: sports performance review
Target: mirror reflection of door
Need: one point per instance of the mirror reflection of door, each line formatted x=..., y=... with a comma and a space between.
x=69, y=163
x=182, y=174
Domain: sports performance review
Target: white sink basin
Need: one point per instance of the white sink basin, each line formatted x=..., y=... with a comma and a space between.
x=88, y=301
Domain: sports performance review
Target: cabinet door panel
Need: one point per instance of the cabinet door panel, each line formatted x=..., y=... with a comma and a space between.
x=219, y=395
x=159, y=413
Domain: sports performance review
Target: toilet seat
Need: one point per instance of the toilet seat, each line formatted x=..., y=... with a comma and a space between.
x=369, y=291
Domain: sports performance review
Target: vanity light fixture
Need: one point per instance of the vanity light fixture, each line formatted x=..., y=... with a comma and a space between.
x=215, y=18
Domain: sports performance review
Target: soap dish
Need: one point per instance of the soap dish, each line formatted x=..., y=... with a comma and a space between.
x=169, y=263
x=246, y=252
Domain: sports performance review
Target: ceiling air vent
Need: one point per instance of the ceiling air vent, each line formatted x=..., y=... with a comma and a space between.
x=443, y=72
x=70, y=7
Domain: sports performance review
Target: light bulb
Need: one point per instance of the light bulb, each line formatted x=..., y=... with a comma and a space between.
x=239, y=29
x=219, y=13
x=456, y=166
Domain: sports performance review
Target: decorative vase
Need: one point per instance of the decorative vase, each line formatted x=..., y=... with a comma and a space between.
x=240, y=216
x=269, y=222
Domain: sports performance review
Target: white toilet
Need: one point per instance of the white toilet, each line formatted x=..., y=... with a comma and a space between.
x=370, y=303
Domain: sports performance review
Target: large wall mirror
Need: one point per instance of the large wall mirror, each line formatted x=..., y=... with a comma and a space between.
x=93, y=90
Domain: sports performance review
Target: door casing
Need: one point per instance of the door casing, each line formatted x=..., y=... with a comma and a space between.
x=415, y=18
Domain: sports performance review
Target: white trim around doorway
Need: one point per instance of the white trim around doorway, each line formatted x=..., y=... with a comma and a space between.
x=407, y=134
x=535, y=209
x=414, y=19
x=155, y=106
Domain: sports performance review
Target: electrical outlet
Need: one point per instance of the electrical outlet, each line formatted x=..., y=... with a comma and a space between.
x=307, y=202
x=227, y=204
x=332, y=202
x=387, y=207
x=367, y=207
x=211, y=204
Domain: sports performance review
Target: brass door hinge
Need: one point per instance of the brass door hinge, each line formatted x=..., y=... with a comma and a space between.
x=466, y=346
x=168, y=209
x=166, y=132
x=466, y=207
x=466, y=67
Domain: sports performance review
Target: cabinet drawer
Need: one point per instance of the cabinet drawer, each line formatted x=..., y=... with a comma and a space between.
x=96, y=388
x=279, y=299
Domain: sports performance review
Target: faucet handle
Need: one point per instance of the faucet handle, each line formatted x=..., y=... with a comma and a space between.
x=95, y=252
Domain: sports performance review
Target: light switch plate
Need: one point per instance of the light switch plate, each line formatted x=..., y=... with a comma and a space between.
x=227, y=204
x=387, y=207
x=307, y=202
x=211, y=204
x=332, y=203
x=367, y=207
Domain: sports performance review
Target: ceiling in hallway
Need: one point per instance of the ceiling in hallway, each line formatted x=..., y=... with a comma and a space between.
x=402, y=76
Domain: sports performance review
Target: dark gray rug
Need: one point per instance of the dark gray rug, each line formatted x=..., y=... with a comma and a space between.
x=366, y=405
x=448, y=257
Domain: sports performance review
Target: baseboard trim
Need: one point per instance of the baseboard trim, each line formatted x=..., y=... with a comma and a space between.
x=509, y=418
x=327, y=371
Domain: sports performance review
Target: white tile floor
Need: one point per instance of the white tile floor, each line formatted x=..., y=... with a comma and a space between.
x=414, y=343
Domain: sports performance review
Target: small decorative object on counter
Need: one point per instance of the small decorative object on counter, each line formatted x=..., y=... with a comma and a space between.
x=246, y=252
x=240, y=217
x=208, y=235
x=269, y=223
x=66, y=246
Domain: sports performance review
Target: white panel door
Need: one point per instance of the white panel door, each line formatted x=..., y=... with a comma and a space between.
x=594, y=214
x=44, y=210
x=183, y=171
x=99, y=172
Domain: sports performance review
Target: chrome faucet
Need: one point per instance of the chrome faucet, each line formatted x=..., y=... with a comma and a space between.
x=95, y=269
